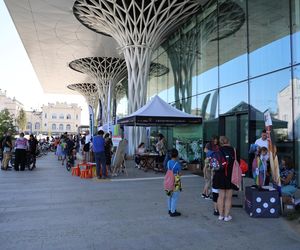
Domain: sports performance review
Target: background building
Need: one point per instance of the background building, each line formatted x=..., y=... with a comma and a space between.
x=60, y=117
x=11, y=104
x=34, y=122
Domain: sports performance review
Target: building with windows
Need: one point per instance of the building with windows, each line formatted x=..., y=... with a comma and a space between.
x=59, y=117
x=11, y=104
x=33, y=122
x=229, y=63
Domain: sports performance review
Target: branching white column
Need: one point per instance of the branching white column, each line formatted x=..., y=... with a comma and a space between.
x=105, y=71
x=139, y=27
x=90, y=92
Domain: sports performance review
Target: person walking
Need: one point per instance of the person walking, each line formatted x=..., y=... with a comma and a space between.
x=222, y=180
x=21, y=145
x=99, y=154
x=7, y=150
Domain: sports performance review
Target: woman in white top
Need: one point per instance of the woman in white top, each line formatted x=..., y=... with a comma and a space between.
x=139, y=151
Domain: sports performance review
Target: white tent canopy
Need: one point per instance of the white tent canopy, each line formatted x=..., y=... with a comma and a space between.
x=159, y=113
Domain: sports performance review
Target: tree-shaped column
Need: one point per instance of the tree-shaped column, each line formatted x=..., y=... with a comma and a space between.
x=139, y=27
x=90, y=92
x=106, y=72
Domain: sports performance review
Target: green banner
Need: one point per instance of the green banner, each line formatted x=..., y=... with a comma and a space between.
x=189, y=142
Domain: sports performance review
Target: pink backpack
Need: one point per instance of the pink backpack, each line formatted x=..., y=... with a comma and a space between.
x=169, y=181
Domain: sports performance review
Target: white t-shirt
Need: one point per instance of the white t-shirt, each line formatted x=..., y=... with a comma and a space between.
x=261, y=143
x=87, y=139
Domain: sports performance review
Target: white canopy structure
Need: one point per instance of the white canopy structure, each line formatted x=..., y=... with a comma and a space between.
x=159, y=113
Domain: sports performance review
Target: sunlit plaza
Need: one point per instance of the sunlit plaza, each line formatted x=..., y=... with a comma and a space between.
x=223, y=64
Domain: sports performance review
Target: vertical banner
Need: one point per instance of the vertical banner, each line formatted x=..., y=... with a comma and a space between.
x=91, y=118
x=100, y=114
x=108, y=106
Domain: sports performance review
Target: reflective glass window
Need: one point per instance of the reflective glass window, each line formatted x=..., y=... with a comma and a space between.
x=296, y=84
x=296, y=30
x=207, y=51
x=208, y=105
x=173, y=93
x=53, y=126
x=160, y=71
x=171, y=84
x=273, y=92
x=68, y=127
x=269, y=39
x=61, y=127
x=234, y=98
x=232, y=41
x=208, y=110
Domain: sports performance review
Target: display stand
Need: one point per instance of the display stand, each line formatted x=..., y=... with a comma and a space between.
x=119, y=162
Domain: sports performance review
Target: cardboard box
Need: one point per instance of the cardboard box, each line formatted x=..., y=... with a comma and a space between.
x=262, y=204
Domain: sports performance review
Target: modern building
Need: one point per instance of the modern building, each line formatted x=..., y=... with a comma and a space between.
x=229, y=62
x=58, y=118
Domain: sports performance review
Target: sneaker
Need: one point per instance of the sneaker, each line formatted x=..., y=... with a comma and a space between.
x=207, y=197
x=221, y=217
x=169, y=212
x=98, y=177
x=216, y=213
x=228, y=218
x=175, y=214
x=203, y=196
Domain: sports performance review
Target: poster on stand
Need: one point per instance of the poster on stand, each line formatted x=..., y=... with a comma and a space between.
x=189, y=142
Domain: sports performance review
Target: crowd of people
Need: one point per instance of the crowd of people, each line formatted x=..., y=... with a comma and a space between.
x=97, y=148
x=218, y=180
x=24, y=150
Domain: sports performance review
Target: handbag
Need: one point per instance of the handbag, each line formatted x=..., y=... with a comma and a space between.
x=236, y=177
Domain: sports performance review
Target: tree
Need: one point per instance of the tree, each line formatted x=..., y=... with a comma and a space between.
x=21, y=120
x=6, y=122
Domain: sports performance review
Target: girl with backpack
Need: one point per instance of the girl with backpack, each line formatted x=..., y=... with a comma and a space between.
x=172, y=183
x=222, y=180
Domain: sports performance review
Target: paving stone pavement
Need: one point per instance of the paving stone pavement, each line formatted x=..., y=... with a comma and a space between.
x=50, y=209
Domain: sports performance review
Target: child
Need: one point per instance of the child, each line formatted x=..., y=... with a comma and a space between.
x=259, y=166
x=59, y=151
x=173, y=196
x=71, y=159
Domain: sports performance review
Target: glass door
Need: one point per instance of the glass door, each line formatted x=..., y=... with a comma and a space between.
x=236, y=128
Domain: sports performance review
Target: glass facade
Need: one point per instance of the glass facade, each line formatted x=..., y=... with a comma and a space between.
x=231, y=63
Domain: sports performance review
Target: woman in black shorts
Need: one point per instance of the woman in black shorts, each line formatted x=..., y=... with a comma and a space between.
x=222, y=180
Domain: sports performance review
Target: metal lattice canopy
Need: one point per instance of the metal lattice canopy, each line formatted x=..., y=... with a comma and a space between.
x=89, y=91
x=106, y=72
x=139, y=27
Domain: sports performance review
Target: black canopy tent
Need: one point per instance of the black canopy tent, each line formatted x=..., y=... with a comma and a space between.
x=159, y=113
